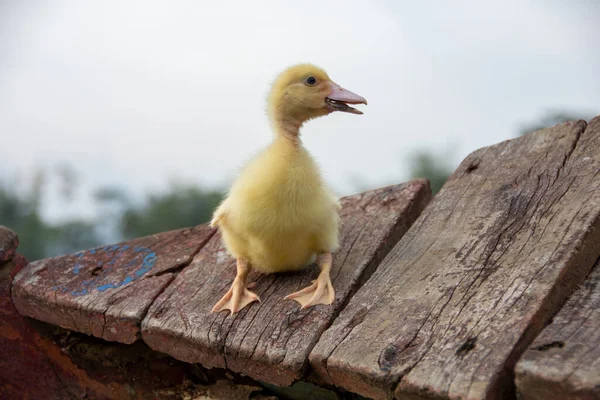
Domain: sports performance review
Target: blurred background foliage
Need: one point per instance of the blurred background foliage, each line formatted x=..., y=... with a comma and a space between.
x=182, y=205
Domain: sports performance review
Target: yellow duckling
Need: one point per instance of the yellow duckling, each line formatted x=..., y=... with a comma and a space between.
x=279, y=214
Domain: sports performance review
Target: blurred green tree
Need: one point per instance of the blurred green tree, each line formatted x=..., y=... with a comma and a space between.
x=20, y=210
x=427, y=164
x=182, y=206
x=71, y=236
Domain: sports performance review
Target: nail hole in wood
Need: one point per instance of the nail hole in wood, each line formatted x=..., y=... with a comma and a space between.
x=472, y=167
x=466, y=347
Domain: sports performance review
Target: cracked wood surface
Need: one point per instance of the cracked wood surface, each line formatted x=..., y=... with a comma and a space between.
x=495, y=254
x=564, y=360
x=270, y=341
x=105, y=291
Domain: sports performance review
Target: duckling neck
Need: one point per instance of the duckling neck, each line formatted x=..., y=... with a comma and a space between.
x=287, y=128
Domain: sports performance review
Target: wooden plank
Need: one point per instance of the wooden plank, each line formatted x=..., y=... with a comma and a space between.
x=270, y=341
x=464, y=292
x=563, y=362
x=106, y=291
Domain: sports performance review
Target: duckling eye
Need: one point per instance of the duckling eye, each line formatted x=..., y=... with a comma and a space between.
x=311, y=81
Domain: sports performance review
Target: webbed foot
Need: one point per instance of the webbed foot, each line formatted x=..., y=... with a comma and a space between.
x=238, y=296
x=321, y=290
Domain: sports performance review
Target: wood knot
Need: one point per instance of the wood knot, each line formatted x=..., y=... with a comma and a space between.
x=466, y=347
x=388, y=357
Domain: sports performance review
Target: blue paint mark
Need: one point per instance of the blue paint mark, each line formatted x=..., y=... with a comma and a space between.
x=76, y=268
x=114, y=286
x=110, y=249
x=143, y=261
x=79, y=292
x=107, y=286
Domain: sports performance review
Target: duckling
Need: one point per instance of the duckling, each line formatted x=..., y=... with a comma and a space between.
x=279, y=214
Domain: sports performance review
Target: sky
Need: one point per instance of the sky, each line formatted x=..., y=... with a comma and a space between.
x=135, y=94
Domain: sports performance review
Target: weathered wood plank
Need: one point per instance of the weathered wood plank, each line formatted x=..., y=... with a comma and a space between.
x=563, y=362
x=106, y=291
x=464, y=292
x=270, y=341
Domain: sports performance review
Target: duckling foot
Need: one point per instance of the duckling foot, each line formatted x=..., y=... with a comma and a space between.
x=238, y=296
x=320, y=291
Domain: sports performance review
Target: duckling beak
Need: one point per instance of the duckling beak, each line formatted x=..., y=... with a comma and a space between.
x=339, y=98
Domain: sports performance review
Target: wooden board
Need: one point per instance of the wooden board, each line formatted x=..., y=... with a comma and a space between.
x=270, y=341
x=496, y=253
x=563, y=363
x=106, y=291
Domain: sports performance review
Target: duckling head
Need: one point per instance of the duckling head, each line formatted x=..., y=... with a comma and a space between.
x=303, y=92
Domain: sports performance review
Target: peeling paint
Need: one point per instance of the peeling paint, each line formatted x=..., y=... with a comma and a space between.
x=143, y=257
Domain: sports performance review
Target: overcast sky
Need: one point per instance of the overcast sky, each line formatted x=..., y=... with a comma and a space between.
x=132, y=93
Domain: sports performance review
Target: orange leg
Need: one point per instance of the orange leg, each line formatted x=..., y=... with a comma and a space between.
x=321, y=291
x=238, y=296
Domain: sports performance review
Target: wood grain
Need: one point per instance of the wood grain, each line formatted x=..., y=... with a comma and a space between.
x=270, y=341
x=466, y=290
x=106, y=291
x=564, y=360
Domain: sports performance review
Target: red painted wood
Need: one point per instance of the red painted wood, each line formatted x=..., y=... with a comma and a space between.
x=8, y=244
